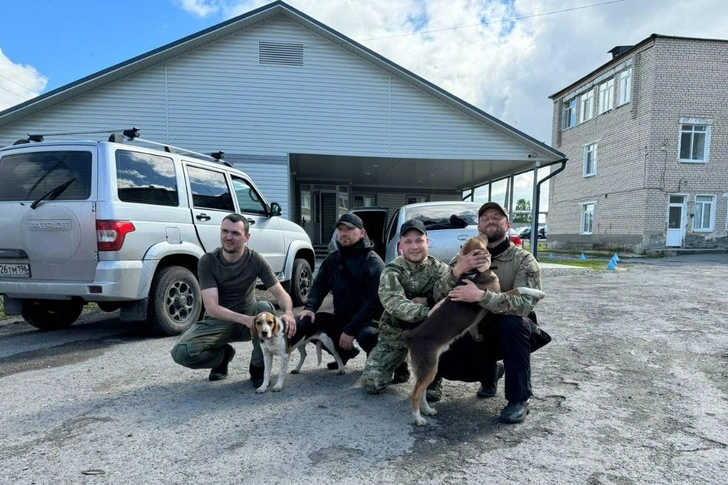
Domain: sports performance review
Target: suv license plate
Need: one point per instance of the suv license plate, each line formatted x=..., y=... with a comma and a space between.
x=18, y=270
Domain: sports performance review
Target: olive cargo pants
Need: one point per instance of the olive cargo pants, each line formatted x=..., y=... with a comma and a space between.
x=202, y=346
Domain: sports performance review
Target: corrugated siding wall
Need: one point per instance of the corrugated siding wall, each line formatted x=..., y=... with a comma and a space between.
x=219, y=97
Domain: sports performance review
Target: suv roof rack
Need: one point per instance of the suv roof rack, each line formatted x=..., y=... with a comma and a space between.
x=37, y=137
x=131, y=134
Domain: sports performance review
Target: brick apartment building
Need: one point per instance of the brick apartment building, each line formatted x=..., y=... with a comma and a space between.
x=646, y=135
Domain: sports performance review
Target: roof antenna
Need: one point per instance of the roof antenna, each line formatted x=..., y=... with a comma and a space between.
x=218, y=155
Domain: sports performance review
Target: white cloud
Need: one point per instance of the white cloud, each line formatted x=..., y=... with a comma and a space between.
x=200, y=8
x=18, y=83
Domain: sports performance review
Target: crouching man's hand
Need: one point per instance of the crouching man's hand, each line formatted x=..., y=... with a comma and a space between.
x=467, y=292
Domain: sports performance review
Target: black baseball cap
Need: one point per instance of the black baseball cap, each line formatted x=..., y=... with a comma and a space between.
x=413, y=224
x=351, y=220
x=492, y=205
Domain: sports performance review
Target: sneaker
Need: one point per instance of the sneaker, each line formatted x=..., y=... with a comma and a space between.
x=256, y=376
x=489, y=389
x=221, y=371
x=401, y=374
x=515, y=412
x=434, y=390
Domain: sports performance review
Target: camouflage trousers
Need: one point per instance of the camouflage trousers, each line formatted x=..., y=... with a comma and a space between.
x=386, y=356
x=202, y=346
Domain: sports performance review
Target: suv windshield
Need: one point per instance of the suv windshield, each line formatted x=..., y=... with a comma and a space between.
x=28, y=176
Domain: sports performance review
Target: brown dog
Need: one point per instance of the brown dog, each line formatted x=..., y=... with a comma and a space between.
x=447, y=321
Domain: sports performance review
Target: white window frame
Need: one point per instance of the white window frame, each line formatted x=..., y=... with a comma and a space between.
x=584, y=213
x=692, y=123
x=417, y=199
x=625, y=87
x=606, y=96
x=699, y=208
x=590, y=150
x=568, y=119
x=365, y=200
x=586, y=105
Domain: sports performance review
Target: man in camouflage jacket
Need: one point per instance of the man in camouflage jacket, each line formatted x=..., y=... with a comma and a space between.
x=509, y=330
x=407, y=292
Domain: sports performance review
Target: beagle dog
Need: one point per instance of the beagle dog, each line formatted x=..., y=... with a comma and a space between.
x=274, y=341
x=447, y=321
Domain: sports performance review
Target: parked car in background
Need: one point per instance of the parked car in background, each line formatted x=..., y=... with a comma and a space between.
x=449, y=225
x=514, y=237
x=525, y=233
x=375, y=222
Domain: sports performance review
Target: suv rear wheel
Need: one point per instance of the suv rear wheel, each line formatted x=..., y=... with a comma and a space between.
x=51, y=314
x=301, y=281
x=175, y=301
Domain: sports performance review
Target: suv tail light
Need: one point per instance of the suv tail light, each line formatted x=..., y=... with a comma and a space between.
x=110, y=234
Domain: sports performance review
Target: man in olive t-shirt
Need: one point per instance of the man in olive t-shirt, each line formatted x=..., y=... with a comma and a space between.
x=227, y=279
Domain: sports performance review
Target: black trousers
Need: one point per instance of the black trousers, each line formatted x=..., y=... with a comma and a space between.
x=333, y=327
x=505, y=337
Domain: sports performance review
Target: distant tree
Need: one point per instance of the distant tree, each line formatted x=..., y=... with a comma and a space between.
x=522, y=205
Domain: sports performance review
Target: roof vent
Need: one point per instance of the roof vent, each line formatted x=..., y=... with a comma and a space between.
x=280, y=53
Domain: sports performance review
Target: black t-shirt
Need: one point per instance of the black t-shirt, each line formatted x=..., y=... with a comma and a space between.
x=235, y=282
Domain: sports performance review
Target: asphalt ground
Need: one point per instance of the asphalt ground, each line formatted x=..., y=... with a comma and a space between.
x=633, y=389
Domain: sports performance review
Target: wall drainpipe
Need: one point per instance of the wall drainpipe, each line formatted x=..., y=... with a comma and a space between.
x=536, y=204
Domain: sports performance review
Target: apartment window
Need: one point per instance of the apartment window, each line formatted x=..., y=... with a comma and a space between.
x=694, y=142
x=587, y=217
x=569, y=119
x=587, y=106
x=704, y=213
x=625, y=87
x=606, y=96
x=590, y=160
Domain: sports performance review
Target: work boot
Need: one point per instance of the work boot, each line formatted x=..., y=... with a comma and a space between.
x=221, y=371
x=401, y=374
x=256, y=375
x=434, y=390
x=489, y=389
x=515, y=412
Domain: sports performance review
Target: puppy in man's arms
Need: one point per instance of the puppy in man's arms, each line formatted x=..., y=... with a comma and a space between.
x=447, y=321
x=274, y=341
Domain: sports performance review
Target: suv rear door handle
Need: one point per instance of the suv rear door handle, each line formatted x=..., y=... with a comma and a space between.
x=251, y=221
x=203, y=217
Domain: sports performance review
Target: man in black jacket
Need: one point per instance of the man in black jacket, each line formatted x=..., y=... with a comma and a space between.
x=351, y=275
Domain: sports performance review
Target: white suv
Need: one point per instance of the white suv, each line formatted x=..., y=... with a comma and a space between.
x=124, y=226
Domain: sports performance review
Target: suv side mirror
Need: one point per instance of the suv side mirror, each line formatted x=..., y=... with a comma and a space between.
x=275, y=209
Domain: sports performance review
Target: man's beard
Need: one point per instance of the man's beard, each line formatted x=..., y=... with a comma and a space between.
x=495, y=233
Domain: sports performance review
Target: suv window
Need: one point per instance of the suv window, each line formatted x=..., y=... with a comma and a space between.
x=210, y=190
x=146, y=179
x=27, y=176
x=248, y=199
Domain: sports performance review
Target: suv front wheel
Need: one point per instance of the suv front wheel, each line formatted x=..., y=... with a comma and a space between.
x=175, y=300
x=51, y=314
x=301, y=281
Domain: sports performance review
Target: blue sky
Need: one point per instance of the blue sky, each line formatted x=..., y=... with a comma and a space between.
x=66, y=40
x=506, y=57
